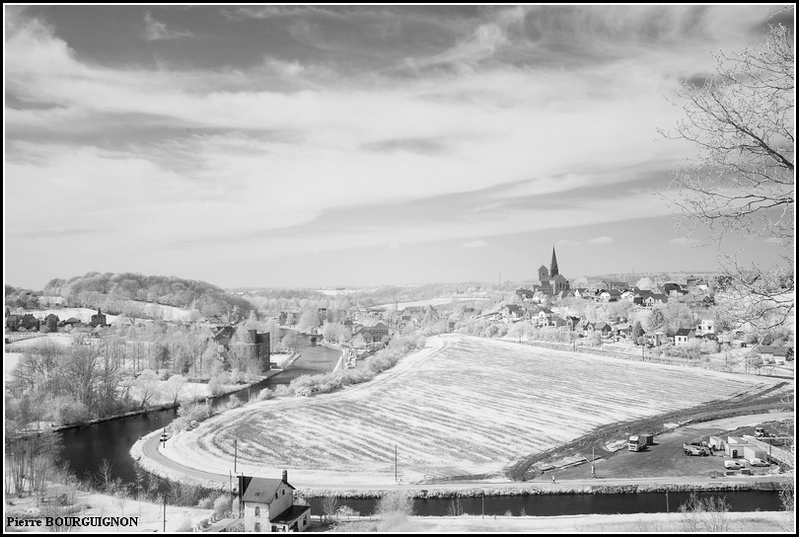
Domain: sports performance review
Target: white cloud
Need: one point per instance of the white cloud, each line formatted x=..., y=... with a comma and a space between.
x=774, y=240
x=600, y=240
x=684, y=241
x=475, y=244
x=156, y=31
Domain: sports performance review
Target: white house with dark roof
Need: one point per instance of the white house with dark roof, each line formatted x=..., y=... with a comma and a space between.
x=683, y=336
x=269, y=506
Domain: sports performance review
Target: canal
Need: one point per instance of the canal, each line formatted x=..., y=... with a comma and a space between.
x=565, y=504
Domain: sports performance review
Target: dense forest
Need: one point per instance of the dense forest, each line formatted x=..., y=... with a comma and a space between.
x=115, y=293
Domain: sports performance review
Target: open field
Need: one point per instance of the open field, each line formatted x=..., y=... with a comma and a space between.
x=461, y=407
x=430, y=302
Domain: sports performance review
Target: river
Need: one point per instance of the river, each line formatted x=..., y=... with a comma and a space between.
x=86, y=447
x=567, y=504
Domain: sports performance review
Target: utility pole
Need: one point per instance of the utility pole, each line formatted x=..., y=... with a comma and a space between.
x=593, y=458
x=483, y=506
x=164, y=513
x=667, y=502
x=235, y=454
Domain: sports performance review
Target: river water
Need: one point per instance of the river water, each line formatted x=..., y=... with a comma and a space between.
x=567, y=504
x=86, y=447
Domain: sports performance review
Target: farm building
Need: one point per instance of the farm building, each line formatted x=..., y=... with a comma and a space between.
x=269, y=505
x=754, y=452
x=734, y=447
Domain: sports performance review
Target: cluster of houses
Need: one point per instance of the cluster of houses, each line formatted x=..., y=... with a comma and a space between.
x=51, y=323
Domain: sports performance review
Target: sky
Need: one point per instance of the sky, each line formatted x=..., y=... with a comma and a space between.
x=318, y=146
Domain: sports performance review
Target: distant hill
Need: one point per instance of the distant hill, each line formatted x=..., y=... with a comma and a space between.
x=662, y=276
x=125, y=292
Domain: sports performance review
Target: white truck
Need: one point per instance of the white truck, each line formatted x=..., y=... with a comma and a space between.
x=636, y=443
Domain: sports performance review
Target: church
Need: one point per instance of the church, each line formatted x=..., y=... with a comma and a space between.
x=552, y=282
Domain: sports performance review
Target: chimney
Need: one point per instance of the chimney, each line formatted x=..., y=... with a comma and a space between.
x=286, y=477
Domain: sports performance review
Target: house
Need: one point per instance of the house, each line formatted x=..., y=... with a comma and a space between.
x=582, y=292
x=655, y=298
x=572, y=323
x=72, y=322
x=222, y=335
x=541, y=316
x=603, y=328
x=29, y=322
x=12, y=323
x=98, y=319
x=706, y=326
x=268, y=505
x=682, y=336
x=623, y=330
x=655, y=339
x=672, y=287
x=523, y=293
x=779, y=355
x=627, y=295
x=380, y=330
x=51, y=322
x=513, y=312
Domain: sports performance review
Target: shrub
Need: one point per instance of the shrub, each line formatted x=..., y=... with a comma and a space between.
x=222, y=505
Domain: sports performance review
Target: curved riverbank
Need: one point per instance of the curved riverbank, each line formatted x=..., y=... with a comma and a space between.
x=228, y=390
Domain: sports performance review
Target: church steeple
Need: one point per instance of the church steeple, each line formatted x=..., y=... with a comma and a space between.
x=553, y=267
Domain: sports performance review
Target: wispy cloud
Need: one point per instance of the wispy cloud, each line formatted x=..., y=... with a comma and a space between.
x=774, y=240
x=684, y=241
x=600, y=240
x=475, y=244
x=156, y=31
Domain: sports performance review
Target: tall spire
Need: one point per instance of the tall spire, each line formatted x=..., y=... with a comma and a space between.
x=553, y=267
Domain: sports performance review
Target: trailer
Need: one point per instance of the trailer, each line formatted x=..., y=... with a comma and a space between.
x=636, y=443
x=716, y=443
x=755, y=453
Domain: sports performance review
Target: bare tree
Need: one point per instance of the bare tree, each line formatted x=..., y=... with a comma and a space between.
x=742, y=182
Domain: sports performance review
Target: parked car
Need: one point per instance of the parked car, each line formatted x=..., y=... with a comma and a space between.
x=759, y=431
x=758, y=462
x=732, y=465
